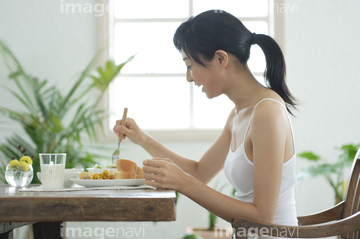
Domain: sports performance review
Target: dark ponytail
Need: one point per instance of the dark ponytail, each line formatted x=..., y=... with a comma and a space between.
x=275, y=68
x=216, y=30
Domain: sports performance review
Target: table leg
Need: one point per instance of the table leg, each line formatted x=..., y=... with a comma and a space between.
x=7, y=235
x=46, y=230
x=6, y=228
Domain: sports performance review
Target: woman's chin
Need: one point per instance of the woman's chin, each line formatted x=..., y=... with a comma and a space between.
x=209, y=96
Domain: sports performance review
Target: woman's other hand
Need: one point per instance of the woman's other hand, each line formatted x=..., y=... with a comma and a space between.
x=163, y=173
x=131, y=130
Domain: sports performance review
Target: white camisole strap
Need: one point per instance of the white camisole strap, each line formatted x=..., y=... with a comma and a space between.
x=252, y=114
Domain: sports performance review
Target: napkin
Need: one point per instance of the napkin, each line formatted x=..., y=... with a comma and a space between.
x=80, y=188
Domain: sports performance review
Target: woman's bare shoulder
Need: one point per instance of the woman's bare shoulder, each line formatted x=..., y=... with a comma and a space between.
x=270, y=112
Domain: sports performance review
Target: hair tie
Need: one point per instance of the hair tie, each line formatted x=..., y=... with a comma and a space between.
x=253, y=38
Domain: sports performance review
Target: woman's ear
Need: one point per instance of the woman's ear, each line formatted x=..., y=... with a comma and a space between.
x=222, y=58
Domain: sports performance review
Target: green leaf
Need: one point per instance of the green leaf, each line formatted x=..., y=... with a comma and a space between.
x=310, y=156
x=107, y=75
x=57, y=124
x=14, y=74
x=212, y=220
x=348, y=153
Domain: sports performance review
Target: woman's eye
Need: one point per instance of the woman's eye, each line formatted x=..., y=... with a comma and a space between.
x=188, y=67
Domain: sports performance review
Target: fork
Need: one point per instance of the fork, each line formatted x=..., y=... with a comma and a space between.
x=116, y=154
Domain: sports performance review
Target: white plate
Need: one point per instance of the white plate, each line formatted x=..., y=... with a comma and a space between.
x=108, y=182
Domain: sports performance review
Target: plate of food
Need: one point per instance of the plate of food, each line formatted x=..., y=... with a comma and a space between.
x=125, y=173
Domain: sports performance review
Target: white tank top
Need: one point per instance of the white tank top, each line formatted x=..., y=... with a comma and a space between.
x=240, y=172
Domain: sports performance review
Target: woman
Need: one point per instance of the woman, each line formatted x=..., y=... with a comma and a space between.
x=256, y=147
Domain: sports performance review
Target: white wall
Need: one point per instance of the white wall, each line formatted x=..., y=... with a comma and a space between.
x=322, y=54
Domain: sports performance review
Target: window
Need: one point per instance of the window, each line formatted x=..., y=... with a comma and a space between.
x=153, y=85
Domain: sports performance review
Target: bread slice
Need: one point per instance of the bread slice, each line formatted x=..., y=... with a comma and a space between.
x=125, y=175
x=125, y=165
x=139, y=172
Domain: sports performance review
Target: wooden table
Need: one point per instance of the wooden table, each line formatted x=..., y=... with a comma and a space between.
x=92, y=205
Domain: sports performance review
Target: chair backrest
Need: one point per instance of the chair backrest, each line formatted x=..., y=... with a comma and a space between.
x=353, y=191
x=352, y=202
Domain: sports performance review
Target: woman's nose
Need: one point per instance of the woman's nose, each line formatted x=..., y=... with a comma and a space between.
x=188, y=77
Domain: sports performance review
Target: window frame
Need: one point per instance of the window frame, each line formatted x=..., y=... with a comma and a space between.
x=106, y=38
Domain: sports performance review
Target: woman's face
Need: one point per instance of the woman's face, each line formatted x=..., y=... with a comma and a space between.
x=202, y=76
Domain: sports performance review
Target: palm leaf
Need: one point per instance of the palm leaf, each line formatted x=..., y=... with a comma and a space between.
x=18, y=96
x=16, y=72
x=77, y=84
x=12, y=114
x=111, y=71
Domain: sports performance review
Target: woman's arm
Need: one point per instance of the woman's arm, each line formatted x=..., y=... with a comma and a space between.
x=204, y=170
x=268, y=138
x=208, y=166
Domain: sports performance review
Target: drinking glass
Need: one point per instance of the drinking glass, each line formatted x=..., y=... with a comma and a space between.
x=52, y=170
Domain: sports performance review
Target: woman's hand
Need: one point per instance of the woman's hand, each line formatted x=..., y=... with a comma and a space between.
x=163, y=173
x=130, y=130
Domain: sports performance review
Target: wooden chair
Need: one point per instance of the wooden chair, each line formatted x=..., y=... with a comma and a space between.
x=341, y=220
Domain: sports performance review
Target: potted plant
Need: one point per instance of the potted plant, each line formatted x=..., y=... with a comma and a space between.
x=333, y=172
x=54, y=122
